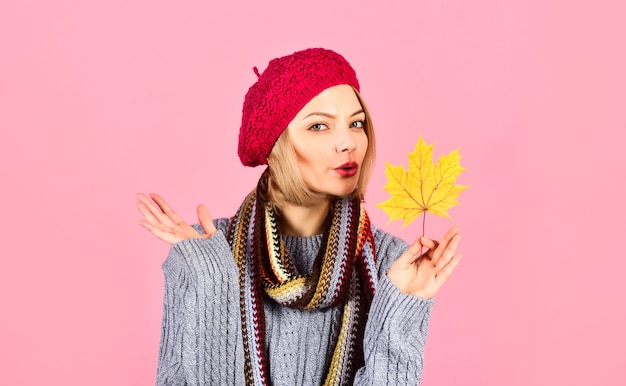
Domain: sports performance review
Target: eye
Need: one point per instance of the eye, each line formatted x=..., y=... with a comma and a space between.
x=358, y=124
x=318, y=127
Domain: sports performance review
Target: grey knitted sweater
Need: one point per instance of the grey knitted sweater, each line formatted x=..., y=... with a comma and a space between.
x=201, y=338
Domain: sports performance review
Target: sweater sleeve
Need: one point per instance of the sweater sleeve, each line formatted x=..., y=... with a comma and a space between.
x=397, y=325
x=201, y=325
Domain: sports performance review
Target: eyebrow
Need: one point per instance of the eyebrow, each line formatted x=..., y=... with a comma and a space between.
x=330, y=115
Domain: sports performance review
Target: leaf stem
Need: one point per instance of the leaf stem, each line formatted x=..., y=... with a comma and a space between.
x=423, y=231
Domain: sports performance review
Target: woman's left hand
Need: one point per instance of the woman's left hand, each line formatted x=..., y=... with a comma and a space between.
x=423, y=276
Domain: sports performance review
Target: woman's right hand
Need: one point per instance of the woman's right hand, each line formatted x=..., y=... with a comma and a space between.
x=164, y=223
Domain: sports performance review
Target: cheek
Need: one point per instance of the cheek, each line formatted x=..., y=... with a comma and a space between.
x=309, y=154
x=363, y=145
x=306, y=165
x=310, y=164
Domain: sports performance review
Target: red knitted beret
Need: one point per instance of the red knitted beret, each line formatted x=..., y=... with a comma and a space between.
x=281, y=92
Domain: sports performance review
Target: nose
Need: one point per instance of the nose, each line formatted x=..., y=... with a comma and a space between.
x=346, y=141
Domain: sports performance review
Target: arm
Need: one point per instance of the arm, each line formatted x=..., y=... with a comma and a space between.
x=395, y=336
x=398, y=320
x=200, y=331
x=201, y=339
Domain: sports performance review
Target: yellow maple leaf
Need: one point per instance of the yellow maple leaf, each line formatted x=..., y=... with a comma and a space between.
x=425, y=187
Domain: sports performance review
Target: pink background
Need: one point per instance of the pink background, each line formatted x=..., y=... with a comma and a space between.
x=103, y=99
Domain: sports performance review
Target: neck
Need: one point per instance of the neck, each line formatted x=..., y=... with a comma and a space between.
x=304, y=220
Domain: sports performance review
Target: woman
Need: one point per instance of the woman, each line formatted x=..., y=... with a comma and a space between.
x=297, y=288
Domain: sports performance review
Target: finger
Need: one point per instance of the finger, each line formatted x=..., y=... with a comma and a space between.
x=147, y=214
x=431, y=245
x=205, y=220
x=444, y=243
x=155, y=210
x=160, y=232
x=445, y=273
x=142, y=198
x=165, y=208
x=448, y=252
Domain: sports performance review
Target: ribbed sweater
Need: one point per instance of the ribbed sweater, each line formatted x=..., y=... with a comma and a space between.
x=201, y=337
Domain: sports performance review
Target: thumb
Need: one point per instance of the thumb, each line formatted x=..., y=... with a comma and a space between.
x=411, y=253
x=205, y=220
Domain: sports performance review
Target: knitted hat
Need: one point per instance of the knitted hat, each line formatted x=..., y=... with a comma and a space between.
x=281, y=92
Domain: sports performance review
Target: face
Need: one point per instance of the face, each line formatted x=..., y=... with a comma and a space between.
x=329, y=138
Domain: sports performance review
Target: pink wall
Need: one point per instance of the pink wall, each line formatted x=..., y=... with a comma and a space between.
x=103, y=99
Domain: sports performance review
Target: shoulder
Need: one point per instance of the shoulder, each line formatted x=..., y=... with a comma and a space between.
x=386, y=241
x=388, y=247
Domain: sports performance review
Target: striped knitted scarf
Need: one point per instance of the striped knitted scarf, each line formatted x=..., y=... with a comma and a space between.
x=342, y=274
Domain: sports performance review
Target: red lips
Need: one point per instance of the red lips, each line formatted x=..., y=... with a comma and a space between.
x=349, y=169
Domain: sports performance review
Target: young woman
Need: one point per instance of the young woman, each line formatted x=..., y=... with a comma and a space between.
x=297, y=288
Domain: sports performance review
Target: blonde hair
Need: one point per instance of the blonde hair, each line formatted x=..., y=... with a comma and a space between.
x=285, y=183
